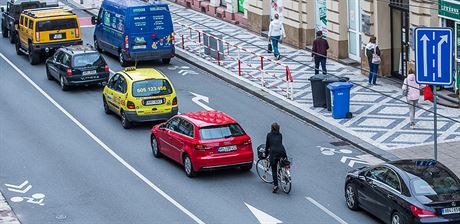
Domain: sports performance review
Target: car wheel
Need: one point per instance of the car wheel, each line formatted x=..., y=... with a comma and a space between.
x=155, y=148
x=4, y=31
x=18, y=48
x=396, y=218
x=64, y=86
x=48, y=74
x=351, y=197
x=124, y=121
x=96, y=46
x=106, y=106
x=188, y=167
x=246, y=168
x=34, y=58
x=166, y=60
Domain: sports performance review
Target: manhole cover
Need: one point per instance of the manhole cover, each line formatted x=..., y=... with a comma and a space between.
x=340, y=143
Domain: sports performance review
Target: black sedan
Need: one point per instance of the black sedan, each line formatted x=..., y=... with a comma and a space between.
x=405, y=191
x=77, y=65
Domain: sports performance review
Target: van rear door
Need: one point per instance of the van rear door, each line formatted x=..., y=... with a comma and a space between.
x=150, y=29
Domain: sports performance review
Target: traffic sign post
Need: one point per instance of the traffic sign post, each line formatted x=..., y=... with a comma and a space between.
x=434, y=63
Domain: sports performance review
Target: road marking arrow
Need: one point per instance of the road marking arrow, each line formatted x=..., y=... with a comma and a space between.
x=352, y=160
x=186, y=72
x=197, y=99
x=17, y=188
x=425, y=39
x=263, y=217
x=443, y=40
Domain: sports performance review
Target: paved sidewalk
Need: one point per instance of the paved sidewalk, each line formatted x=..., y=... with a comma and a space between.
x=380, y=113
x=7, y=215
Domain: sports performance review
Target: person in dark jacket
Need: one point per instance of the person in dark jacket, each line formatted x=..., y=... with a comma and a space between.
x=319, y=52
x=373, y=57
x=276, y=151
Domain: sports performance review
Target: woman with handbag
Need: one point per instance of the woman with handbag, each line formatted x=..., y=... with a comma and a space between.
x=373, y=57
x=275, y=34
x=411, y=90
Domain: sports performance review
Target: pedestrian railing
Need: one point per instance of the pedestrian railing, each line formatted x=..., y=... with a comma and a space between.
x=244, y=62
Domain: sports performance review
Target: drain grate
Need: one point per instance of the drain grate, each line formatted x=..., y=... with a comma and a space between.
x=340, y=143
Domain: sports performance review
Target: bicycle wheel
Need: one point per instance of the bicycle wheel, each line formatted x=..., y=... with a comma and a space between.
x=263, y=170
x=285, y=180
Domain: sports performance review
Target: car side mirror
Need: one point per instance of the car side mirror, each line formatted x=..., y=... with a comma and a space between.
x=362, y=176
x=162, y=126
x=3, y=9
x=93, y=20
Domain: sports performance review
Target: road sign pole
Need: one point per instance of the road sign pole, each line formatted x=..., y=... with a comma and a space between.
x=435, y=123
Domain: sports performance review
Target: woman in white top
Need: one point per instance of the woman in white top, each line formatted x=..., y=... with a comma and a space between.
x=276, y=33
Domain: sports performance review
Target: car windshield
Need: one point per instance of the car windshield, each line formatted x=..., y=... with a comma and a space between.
x=435, y=183
x=90, y=59
x=219, y=132
x=58, y=24
x=151, y=87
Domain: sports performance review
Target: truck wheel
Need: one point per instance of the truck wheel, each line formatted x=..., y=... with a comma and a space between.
x=4, y=31
x=18, y=48
x=34, y=58
x=123, y=63
x=166, y=60
x=11, y=36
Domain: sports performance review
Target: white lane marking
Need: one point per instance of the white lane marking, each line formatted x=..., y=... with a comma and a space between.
x=352, y=160
x=104, y=146
x=85, y=26
x=327, y=211
x=18, y=188
x=263, y=217
x=197, y=99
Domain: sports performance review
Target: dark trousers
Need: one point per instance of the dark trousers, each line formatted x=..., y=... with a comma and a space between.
x=320, y=60
x=373, y=72
x=274, y=165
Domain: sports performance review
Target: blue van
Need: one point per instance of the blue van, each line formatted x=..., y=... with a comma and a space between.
x=134, y=30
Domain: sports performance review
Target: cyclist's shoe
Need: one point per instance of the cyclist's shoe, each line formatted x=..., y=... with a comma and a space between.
x=275, y=189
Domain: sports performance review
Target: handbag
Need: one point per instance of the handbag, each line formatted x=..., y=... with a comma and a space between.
x=269, y=46
x=428, y=94
x=376, y=58
x=405, y=91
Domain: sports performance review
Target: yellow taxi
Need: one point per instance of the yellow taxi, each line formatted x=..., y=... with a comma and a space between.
x=140, y=95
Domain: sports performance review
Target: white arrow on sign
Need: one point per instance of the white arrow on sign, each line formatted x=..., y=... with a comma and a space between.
x=425, y=39
x=197, y=99
x=18, y=188
x=352, y=160
x=263, y=217
x=443, y=40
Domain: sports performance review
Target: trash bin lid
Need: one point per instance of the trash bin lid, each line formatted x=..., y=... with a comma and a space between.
x=339, y=85
x=318, y=77
x=335, y=79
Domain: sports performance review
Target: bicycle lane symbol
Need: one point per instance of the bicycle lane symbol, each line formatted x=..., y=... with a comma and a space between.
x=331, y=151
x=23, y=188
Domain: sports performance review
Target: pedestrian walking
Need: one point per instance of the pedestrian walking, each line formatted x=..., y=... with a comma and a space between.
x=411, y=89
x=373, y=57
x=276, y=34
x=319, y=52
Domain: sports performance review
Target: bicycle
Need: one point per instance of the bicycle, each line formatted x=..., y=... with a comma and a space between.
x=263, y=169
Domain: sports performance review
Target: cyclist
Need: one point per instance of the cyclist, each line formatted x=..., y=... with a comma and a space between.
x=275, y=151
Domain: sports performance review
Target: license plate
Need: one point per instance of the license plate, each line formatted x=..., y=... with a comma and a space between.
x=89, y=72
x=447, y=211
x=90, y=77
x=57, y=36
x=227, y=148
x=139, y=46
x=153, y=102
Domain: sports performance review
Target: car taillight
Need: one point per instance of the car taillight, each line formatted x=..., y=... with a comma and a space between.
x=247, y=142
x=106, y=68
x=174, y=102
x=126, y=42
x=154, y=35
x=69, y=71
x=37, y=36
x=201, y=147
x=77, y=33
x=172, y=39
x=421, y=213
x=130, y=105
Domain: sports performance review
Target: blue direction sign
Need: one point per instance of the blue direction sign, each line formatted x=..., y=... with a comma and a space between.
x=434, y=55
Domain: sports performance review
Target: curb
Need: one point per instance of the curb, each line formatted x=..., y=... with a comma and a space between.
x=7, y=215
x=263, y=94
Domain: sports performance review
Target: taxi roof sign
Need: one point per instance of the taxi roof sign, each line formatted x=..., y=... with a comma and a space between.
x=132, y=68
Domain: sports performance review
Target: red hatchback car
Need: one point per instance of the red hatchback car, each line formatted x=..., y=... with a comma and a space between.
x=203, y=141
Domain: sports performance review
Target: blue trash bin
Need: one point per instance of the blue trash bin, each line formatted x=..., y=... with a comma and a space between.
x=340, y=99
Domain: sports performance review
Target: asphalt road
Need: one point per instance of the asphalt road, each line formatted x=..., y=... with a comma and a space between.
x=110, y=175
